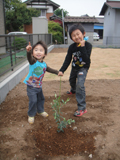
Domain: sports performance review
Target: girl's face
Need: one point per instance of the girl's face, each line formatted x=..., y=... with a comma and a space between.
x=77, y=36
x=39, y=52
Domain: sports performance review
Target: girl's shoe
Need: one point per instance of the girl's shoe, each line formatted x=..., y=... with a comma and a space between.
x=31, y=120
x=44, y=114
x=80, y=113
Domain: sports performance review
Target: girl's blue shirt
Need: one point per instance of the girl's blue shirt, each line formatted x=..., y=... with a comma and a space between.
x=36, y=74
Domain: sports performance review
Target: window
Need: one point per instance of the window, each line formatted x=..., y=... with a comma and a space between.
x=43, y=13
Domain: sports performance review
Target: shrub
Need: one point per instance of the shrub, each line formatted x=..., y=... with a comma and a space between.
x=57, y=32
x=19, y=43
x=56, y=105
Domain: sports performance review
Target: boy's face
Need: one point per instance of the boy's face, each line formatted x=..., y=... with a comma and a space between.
x=77, y=36
x=39, y=52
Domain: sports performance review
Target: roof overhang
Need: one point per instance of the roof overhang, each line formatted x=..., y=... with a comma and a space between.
x=98, y=27
x=55, y=5
x=82, y=19
x=114, y=5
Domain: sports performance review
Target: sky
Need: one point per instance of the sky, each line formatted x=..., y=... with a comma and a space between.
x=81, y=7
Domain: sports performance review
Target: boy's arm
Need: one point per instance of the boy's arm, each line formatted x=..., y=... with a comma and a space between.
x=66, y=61
x=86, y=51
x=51, y=70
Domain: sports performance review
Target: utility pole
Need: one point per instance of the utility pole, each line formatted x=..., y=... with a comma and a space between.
x=63, y=26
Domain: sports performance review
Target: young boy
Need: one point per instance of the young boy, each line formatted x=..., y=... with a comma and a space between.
x=80, y=51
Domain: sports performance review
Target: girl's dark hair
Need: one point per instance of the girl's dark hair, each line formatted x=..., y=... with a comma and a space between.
x=74, y=27
x=42, y=44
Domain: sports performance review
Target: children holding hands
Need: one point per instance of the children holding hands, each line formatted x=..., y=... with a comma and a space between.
x=80, y=51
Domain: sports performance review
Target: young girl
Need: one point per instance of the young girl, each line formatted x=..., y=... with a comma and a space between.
x=37, y=68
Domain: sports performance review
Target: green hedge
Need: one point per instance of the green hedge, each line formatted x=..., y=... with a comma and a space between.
x=19, y=43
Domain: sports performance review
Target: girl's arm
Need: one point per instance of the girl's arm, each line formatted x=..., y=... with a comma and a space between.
x=51, y=70
x=30, y=58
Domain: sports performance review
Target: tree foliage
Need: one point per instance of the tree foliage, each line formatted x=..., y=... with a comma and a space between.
x=58, y=12
x=57, y=32
x=18, y=14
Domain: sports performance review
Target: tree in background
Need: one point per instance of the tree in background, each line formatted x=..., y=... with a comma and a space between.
x=17, y=14
x=57, y=32
x=58, y=12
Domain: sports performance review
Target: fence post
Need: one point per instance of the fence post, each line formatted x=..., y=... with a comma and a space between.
x=51, y=39
x=11, y=53
x=15, y=49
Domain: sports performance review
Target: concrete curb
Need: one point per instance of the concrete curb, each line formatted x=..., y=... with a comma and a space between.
x=10, y=82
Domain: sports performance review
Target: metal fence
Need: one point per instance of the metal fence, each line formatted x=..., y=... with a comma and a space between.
x=106, y=42
x=13, y=49
x=13, y=52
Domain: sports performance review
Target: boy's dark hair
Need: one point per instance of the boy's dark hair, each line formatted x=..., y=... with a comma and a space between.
x=74, y=27
x=42, y=44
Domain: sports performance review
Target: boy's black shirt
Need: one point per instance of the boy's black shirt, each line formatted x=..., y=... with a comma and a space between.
x=80, y=55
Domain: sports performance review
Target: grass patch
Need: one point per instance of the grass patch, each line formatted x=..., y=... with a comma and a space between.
x=116, y=74
x=104, y=66
x=5, y=63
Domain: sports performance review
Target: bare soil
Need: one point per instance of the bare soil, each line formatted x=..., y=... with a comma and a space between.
x=95, y=135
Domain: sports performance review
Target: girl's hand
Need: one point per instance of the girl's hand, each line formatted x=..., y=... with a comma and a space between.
x=60, y=73
x=29, y=47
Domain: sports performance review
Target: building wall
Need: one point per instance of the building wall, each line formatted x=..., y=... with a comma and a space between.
x=117, y=23
x=42, y=6
x=2, y=28
x=2, y=22
x=111, y=27
x=48, y=15
x=39, y=25
x=28, y=28
x=50, y=9
x=109, y=22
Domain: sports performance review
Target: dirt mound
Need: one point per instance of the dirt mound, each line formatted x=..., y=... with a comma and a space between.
x=94, y=134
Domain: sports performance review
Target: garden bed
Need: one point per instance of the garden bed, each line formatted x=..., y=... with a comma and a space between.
x=95, y=135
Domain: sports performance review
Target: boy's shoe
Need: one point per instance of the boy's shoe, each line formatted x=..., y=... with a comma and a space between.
x=44, y=114
x=70, y=92
x=80, y=113
x=31, y=120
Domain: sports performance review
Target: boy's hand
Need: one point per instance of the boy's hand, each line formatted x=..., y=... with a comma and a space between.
x=82, y=43
x=60, y=73
x=29, y=47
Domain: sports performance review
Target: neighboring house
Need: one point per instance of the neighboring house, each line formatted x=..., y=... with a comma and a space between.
x=99, y=27
x=57, y=19
x=111, y=13
x=2, y=27
x=47, y=8
x=86, y=21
